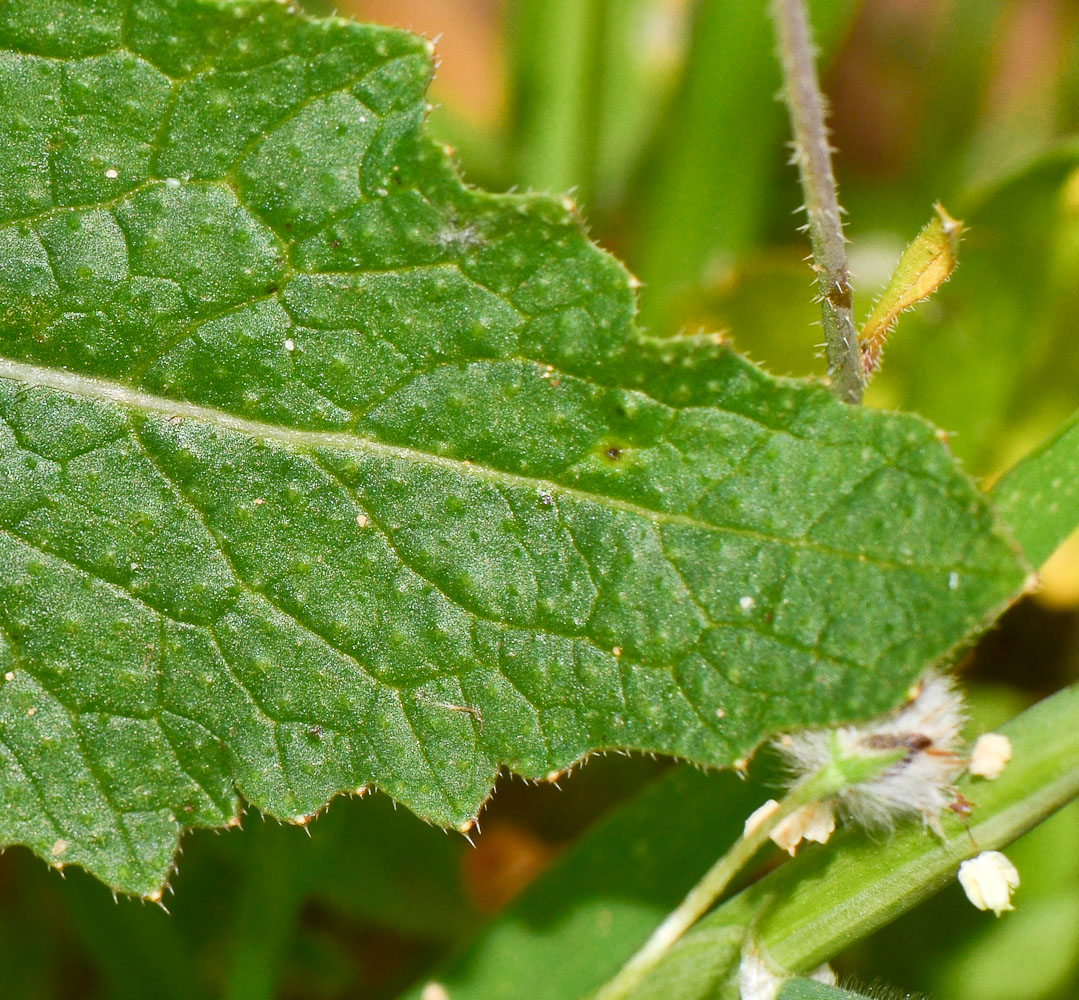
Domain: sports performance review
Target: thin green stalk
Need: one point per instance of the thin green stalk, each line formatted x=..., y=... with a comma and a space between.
x=707, y=891
x=813, y=155
x=554, y=92
x=702, y=897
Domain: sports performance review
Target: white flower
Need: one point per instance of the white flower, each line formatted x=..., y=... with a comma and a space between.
x=991, y=752
x=926, y=728
x=815, y=821
x=988, y=881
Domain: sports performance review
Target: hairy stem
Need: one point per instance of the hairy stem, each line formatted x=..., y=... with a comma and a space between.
x=813, y=155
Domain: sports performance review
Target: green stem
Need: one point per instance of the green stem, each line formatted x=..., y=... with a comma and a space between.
x=707, y=891
x=863, y=884
x=813, y=155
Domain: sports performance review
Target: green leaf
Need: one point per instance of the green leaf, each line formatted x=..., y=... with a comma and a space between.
x=1039, y=496
x=321, y=470
x=807, y=989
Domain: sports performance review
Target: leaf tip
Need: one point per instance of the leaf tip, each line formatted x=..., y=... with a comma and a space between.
x=952, y=227
x=155, y=897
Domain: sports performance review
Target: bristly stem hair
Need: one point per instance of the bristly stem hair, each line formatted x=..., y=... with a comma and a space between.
x=813, y=155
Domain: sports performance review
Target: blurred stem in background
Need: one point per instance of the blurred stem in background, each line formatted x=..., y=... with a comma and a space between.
x=556, y=93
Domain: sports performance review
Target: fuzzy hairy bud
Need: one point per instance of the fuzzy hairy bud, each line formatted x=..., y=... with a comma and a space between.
x=925, y=731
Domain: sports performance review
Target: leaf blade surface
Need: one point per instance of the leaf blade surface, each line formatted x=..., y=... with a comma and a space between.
x=322, y=470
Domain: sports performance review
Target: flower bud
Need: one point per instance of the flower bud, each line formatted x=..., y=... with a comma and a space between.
x=988, y=881
x=922, y=735
x=991, y=752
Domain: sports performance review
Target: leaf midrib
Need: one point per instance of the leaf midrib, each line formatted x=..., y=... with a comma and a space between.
x=103, y=390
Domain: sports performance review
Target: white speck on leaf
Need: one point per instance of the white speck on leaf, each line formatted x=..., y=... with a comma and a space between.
x=747, y=602
x=112, y=173
x=953, y=581
x=824, y=973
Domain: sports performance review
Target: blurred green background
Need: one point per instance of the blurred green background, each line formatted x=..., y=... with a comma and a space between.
x=659, y=116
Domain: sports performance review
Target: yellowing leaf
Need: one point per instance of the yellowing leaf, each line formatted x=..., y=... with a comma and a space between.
x=924, y=266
